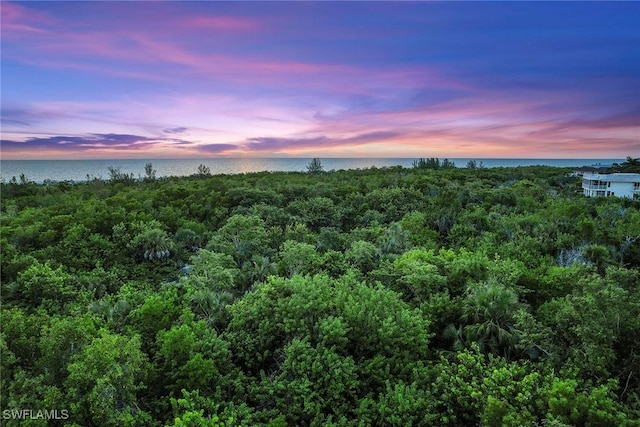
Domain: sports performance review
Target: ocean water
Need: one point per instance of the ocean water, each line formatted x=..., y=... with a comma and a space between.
x=79, y=170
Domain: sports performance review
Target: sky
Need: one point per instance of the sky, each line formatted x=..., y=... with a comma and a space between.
x=86, y=80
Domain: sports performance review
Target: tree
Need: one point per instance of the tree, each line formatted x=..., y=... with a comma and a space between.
x=316, y=212
x=447, y=164
x=116, y=175
x=156, y=312
x=590, y=323
x=420, y=275
x=242, y=237
x=363, y=255
x=194, y=410
x=210, y=306
x=400, y=404
x=298, y=258
x=383, y=334
x=395, y=240
x=149, y=172
x=473, y=165
x=188, y=239
x=153, y=244
x=433, y=163
x=204, y=171
x=213, y=271
x=630, y=165
x=314, y=382
x=315, y=166
x=193, y=357
x=488, y=310
x=61, y=341
x=104, y=380
x=41, y=284
x=259, y=268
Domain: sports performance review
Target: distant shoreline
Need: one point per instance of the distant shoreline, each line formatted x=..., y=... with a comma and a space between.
x=80, y=170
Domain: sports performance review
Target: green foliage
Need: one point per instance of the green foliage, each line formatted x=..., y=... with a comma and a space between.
x=314, y=383
x=315, y=166
x=488, y=313
x=104, y=380
x=194, y=410
x=568, y=404
x=242, y=237
x=422, y=296
x=41, y=284
x=298, y=258
x=433, y=163
x=276, y=312
x=420, y=273
x=316, y=213
x=188, y=239
x=158, y=312
x=153, y=244
x=473, y=164
x=588, y=322
x=192, y=356
x=630, y=165
x=212, y=271
x=399, y=404
x=149, y=172
x=61, y=341
x=116, y=175
x=363, y=256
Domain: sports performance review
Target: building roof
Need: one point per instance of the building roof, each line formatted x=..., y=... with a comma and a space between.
x=613, y=177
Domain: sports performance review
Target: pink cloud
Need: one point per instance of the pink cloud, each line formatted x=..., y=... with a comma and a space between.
x=128, y=51
x=18, y=20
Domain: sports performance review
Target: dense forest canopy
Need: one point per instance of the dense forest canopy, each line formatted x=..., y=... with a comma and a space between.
x=395, y=297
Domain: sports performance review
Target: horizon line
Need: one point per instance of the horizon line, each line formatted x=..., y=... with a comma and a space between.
x=320, y=157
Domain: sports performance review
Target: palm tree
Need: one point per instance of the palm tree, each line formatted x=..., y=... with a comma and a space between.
x=457, y=335
x=630, y=165
x=210, y=305
x=260, y=268
x=111, y=312
x=488, y=312
x=154, y=244
x=395, y=239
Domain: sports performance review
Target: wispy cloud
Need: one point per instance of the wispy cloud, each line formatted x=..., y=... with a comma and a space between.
x=18, y=20
x=176, y=130
x=217, y=148
x=88, y=144
x=270, y=144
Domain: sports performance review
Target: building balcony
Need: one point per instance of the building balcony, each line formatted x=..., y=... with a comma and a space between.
x=594, y=187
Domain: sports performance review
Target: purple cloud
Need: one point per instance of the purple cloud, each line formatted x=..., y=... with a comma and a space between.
x=96, y=141
x=274, y=143
x=216, y=148
x=175, y=130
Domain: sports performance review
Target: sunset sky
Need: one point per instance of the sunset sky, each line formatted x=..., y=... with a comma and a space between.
x=307, y=79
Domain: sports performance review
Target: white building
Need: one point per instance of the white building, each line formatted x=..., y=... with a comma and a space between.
x=613, y=184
